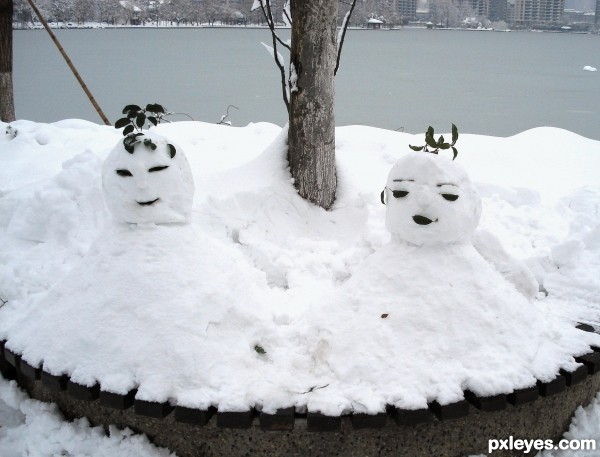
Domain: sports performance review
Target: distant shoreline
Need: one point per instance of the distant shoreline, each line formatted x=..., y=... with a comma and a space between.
x=96, y=26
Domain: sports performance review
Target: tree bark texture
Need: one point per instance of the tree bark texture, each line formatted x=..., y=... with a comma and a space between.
x=7, y=103
x=311, y=137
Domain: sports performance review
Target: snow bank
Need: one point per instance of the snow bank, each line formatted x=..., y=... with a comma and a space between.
x=30, y=427
x=264, y=300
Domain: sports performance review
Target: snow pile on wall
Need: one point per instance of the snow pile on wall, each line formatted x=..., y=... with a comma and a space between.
x=264, y=300
x=30, y=427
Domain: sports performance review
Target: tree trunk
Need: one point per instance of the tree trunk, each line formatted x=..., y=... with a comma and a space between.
x=7, y=103
x=311, y=137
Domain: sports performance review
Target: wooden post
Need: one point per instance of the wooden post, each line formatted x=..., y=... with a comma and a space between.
x=69, y=63
x=7, y=103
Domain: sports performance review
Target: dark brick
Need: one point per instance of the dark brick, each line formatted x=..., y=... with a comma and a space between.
x=152, y=408
x=553, y=387
x=576, y=376
x=317, y=422
x=522, y=396
x=241, y=419
x=585, y=328
x=492, y=403
x=412, y=416
x=117, y=401
x=451, y=410
x=591, y=361
x=6, y=370
x=30, y=372
x=81, y=392
x=12, y=357
x=283, y=419
x=54, y=382
x=369, y=420
x=193, y=416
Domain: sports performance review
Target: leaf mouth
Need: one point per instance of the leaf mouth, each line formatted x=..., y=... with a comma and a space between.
x=422, y=220
x=148, y=203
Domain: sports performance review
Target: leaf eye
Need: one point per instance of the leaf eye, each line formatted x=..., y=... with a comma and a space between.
x=450, y=197
x=123, y=172
x=399, y=193
x=158, y=168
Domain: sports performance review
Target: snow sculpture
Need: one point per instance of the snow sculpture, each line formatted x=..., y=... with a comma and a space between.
x=149, y=183
x=430, y=200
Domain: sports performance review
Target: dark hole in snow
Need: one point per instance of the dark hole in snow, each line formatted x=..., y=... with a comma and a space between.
x=450, y=197
x=422, y=220
x=399, y=193
x=158, y=168
x=148, y=203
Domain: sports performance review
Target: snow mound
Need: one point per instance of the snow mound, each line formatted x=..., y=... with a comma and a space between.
x=30, y=427
x=264, y=300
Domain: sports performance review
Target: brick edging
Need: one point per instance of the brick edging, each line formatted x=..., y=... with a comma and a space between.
x=283, y=420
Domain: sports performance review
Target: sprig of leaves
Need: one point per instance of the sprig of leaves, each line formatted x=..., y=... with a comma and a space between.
x=135, y=138
x=11, y=131
x=136, y=117
x=433, y=146
x=134, y=121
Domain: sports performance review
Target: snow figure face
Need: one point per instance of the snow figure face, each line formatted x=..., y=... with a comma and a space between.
x=430, y=200
x=148, y=186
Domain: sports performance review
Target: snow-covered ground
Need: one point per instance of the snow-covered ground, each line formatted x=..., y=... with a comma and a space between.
x=265, y=301
x=30, y=427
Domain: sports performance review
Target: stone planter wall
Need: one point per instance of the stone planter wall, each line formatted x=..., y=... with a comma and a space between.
x=463, y=428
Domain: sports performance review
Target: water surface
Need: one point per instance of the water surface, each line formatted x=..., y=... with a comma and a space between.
x=485, y=82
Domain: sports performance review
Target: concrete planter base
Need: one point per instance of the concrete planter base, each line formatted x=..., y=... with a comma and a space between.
x=545, y=417
x=542, y=411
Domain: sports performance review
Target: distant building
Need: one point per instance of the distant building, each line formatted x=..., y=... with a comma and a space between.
x=579, y=20
x=406, y=9
x=498, y=10
x=481, y=7
x=538, y=12
x=374, y=23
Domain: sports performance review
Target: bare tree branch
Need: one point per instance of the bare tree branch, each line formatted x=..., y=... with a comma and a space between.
x=285, y=11
x=343, y=35
x=224, y=117
x=266, y=9
x=271, y=22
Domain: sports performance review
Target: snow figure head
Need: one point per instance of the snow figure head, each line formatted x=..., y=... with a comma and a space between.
x=430, y=200
x=149, y=184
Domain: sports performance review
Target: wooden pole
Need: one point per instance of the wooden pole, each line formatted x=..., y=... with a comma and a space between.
x=69, y=63
x=7, y=100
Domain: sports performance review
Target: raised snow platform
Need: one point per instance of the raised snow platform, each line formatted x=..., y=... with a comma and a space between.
x=464, y=428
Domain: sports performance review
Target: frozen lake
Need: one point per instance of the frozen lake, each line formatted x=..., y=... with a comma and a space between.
x=485, y=82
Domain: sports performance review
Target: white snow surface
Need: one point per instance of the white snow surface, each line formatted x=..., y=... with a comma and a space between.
x=148, y=185
x=30, y=427
x=266, y=301
x=589, y=68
